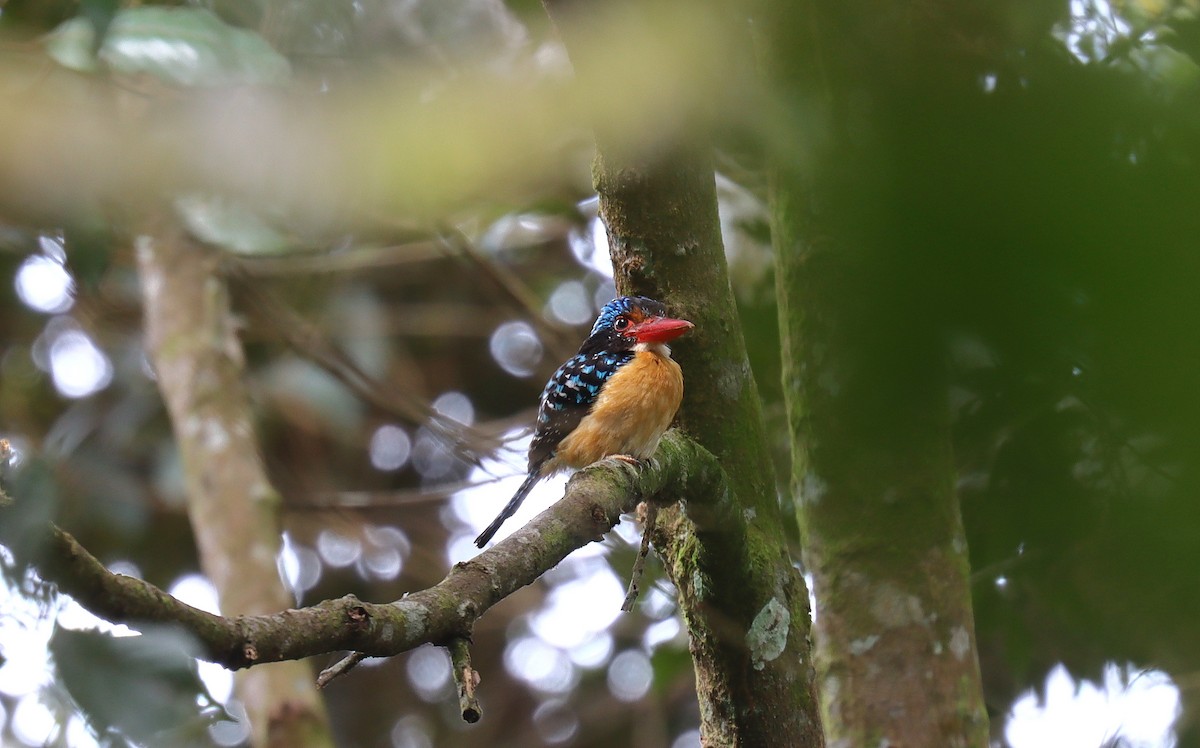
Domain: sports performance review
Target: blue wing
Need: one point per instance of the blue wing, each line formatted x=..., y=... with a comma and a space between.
x=568, y=397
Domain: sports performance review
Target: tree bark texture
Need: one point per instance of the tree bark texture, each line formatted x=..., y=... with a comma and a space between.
x=234, y=510
x=744, y=603
x=873, y=469
x=881, y=531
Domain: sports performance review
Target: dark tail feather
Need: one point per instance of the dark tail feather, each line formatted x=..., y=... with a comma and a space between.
x=509, y=509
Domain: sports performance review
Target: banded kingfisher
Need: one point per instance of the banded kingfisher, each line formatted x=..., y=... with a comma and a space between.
x=616, y=397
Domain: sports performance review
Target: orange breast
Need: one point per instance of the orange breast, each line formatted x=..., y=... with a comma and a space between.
x=633, y=410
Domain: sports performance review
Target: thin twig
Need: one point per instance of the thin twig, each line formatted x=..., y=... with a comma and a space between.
x=304, y=338
x=341, y=667
x=342, y=500
x=515, y=292
x=5, y=457
x=466, y=678
x=639, y=565
x=358, y=260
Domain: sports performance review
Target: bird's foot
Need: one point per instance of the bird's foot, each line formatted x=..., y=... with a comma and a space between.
x=627, y=459
x=647, y=463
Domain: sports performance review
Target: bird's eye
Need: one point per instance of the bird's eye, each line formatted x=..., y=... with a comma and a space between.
x=621, y=325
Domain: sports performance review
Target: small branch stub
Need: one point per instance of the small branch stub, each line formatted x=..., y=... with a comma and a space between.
x=639, y=565
x=6, y=454
x=466, y=678
x=341, y=667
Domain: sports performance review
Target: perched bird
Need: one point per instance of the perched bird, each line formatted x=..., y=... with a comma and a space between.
x=615, y=397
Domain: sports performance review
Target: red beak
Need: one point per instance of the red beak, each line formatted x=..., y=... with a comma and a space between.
x=660, y=329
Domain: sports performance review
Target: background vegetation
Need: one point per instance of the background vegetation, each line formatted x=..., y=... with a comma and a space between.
x=402, y=195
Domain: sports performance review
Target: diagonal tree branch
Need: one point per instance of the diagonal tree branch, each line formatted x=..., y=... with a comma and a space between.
x=594, y=500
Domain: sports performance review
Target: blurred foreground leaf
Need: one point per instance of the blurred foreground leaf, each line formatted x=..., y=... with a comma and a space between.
x=144, y=687
x=218, y=220
x=184, y=46
x=387, y=145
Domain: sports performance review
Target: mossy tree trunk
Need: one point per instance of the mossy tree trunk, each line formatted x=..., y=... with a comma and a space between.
x=873, y=469
x=744, y=603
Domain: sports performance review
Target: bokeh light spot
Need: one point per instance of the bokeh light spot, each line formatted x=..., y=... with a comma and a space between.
x=196, y=591
x=689, y=739
x=630, y=675
x=411, y=732
x=79, y=368
x=544, y=667
x=390, y=447
x=299, y=565
x=431, y=457
x=429, y=672
x=577, y=610
x=555, y=721
x=516, y=347
x=45, y=285
x=660, y=632
x=605, y=292
x=590, y=246
x=659, y=603
x=456, y=406
x=593, y=652
x=386, y=536
x=571, y=303
x=337, y=550
x=381, y=563
x=229, y=733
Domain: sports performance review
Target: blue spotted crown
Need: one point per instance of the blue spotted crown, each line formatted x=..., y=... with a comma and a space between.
x=625, y=305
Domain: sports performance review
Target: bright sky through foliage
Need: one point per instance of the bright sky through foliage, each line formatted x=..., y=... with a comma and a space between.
x=1138, y=707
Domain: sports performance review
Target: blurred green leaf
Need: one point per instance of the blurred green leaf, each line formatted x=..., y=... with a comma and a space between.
x=144, y=687
x=1173, y=71
x=183, y=46
x=230, y=224
x=34, y=493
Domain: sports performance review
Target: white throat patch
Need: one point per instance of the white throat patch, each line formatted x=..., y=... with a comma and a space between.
x=659, y=348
